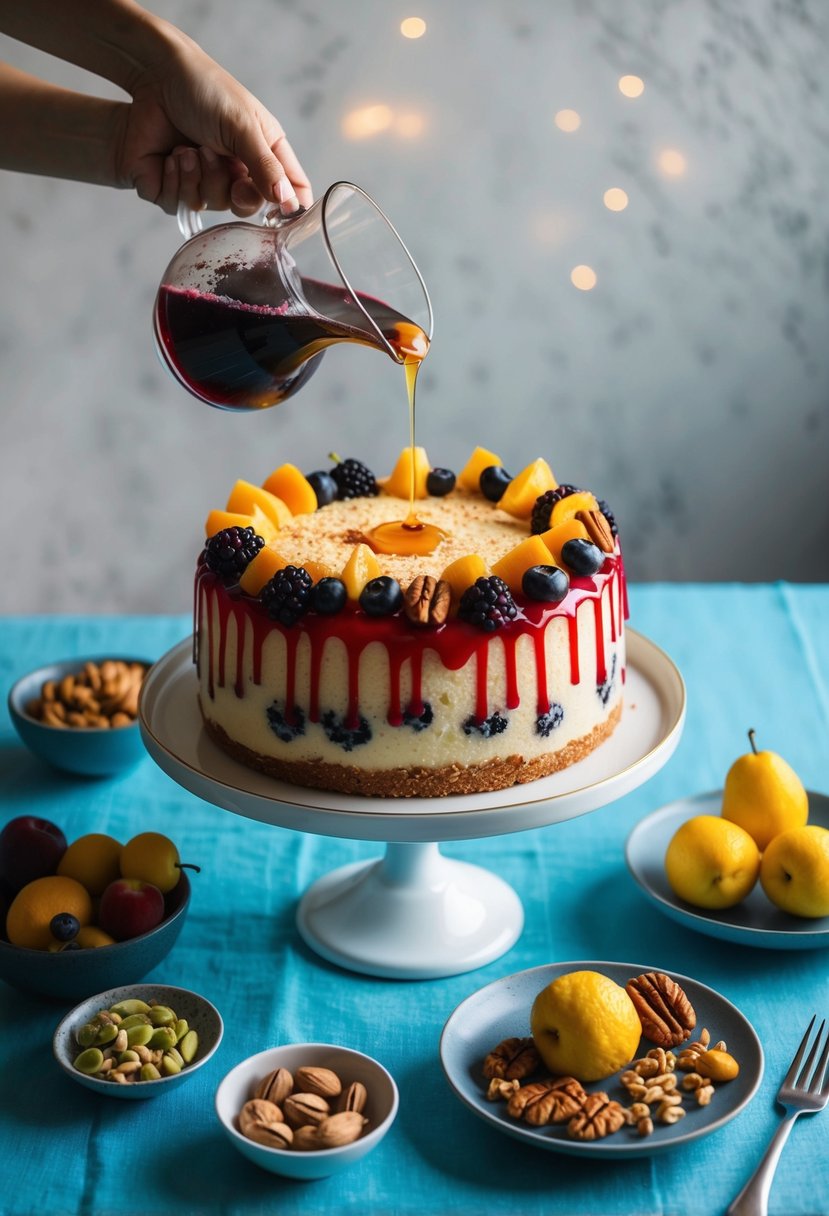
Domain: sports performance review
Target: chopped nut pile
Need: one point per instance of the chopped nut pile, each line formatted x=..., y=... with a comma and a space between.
x=100, y=696
x=135, y=1041
x=310, y=1109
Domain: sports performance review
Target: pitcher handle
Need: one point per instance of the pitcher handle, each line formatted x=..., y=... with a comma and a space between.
x=190, y=221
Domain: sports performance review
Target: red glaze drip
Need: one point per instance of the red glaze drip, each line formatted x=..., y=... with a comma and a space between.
x=573, y=626
x=611, y=597
x=513, y=699
x=601, y=669
x=543, y=698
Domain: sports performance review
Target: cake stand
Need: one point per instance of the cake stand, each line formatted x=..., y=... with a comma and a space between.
x=414, y=913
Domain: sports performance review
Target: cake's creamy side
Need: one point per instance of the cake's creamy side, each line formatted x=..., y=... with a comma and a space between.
x=380, y=706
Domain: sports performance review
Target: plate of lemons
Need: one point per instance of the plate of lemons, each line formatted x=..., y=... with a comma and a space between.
x=748, y=863
x=563, y=1057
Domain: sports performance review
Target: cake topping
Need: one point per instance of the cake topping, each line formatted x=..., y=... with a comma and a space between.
x=329, y=596
x=487, y=604
x=353, y=478
x=427, y=600
x=549, y=584
x=582, y=556
x=522, y=492
x=324, y=486
x=543, y=507
x=440, y=482
x=230, y=551
x=287, y=596
x=381, y=596
x=493, y=481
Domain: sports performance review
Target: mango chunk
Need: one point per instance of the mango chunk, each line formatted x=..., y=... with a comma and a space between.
x=319, y=570
x=567, y=507
x=294, y=489
x=218, y=520
x=519, y=497
x=555, y=538
x=361, y=566
x=513, y=565
x=470, y=475
x=245, y=496
x=400, y=482
x=261, y=570
x=463, y=572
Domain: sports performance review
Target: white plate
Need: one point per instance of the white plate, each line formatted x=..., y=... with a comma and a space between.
x=502, y=1009
x=643, y=741
x=753, y=922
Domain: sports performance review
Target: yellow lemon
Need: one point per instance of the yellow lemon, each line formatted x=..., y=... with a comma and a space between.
x=585, y=1026
x=795, y=871
x=27, y=922
x=711, y=862
x=764, y=795
x=93, y=861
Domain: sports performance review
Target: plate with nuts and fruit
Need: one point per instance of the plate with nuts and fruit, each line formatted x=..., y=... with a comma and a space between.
x=601, y=1059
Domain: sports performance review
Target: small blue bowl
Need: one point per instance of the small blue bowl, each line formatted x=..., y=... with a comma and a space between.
x=71, y=975
x=88, y=751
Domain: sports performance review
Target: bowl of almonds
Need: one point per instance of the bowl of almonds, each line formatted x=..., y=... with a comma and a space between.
x=81, y=715
x=306, y=1110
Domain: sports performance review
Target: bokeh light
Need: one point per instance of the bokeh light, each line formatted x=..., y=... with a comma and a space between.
x=583, y=277
x=367, y=121
x=671, y=162
x=409, y=125
x=568, y=120
x=631, y=86
x=615, y=199
x=413, y=27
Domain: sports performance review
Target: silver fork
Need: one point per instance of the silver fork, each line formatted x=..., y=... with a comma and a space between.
x=804, y=1091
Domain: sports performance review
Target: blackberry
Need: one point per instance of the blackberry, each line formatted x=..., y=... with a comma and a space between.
x=495, y=724
x=230, y=552
x=354, y=479
x=609, y=516
x=287, y=596
x=487, y=604
x=545, y=724
x=544, y=504
x=419, y=722
x=348, y=737
x=286, y=728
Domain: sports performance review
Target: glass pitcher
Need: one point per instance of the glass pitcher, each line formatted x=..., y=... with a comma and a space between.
x=246, y=310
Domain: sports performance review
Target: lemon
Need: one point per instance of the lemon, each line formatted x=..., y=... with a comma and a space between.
x=93, y=861
x=711, y=862
x=27, y=922
x=794, y=872
x=585, y=1026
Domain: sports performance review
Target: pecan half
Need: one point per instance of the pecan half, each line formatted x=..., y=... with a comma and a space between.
x=512, y=1059
x=552, y=1101
x=599, y=1116
x=666, y=1014
x=426, y=600
x=598, y=529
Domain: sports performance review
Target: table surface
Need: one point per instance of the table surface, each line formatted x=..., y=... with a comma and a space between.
x=751, y=656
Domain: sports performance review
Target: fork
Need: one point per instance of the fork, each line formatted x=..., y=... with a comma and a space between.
x=799, y=1094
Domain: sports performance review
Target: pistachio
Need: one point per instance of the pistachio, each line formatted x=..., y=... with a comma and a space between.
x=181, y=1029
x=139, y=1036
x=127, y=1056
x=320, y=1081
x=340, y=1129
x=89, y=1061
x=163, y=1037
x=134, y=1019
x=87, y=1035
x=107, y=1034
x=275, y=1086
x=169, y=1066
x=353, y=1098
x=257, y=1110
x=273, y=1135
x=161, y=1015
x=188, y=1046
x=302, y=1109
x=128, y=1007
x=305, y=1138
x=149, y=1072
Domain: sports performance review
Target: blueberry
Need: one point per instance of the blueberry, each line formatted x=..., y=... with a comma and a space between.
x=495, y=724
x=324, y=485
x=440, y=482
x=545, y=724
x=286, y=728
x=547, y=583
x=64, y=927
x=493, y=481
x=348, y=737
x=328, y=596
x=582, y=556
x=381, y=596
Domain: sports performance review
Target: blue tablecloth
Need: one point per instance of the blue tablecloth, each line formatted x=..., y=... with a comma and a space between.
x=751, y=656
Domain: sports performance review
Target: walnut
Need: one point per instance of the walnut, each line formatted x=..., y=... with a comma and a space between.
x=513, y=1059
x=552, y=1101
x=599, y=1116
x=665, y=1012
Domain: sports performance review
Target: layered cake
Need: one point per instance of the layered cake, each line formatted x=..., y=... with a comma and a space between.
x=420, y=635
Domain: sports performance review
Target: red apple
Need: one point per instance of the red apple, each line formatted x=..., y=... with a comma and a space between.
x=130, y=907
x=30, y=848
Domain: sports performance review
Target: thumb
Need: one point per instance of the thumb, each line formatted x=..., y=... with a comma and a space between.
x=266, y=170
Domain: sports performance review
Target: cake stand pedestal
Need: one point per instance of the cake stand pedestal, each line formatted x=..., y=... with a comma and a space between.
x=414, y=914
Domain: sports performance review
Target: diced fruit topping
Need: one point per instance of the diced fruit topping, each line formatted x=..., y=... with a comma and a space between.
x=400, y=482
x=261, y=570
x=361, y=566
x=230, y=552
x=329, y=596
x=543, y=507
x=440, y=482
x=609, y=516
x=294, y=488
x=287, y=596
x=571, y=529
x=512, y=566
x=582, y=556
x=381, y=596
x=319, y=570
x=470, y=475
x=324, y=487
x=217, y=521
x=353, y=478
x=463, y=572
x=487, y=604
x=245, y=496
x=520, y=495
x=567, y=507
x=549, y=584
x=493, y=481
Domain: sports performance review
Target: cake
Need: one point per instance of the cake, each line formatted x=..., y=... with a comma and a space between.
x=493, y=656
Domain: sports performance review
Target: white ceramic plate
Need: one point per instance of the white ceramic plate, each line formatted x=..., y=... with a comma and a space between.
x=502, y=1009
x=645, y=739
x=753, y=922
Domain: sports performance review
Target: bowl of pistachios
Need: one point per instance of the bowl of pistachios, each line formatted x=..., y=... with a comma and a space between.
x=137, y=1041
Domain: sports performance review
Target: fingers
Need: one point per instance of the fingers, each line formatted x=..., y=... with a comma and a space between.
x=273, y=166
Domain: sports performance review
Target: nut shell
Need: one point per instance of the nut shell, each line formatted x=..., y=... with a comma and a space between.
x=303, y=1109
x=340, y=1129
x=276, y=1086
x=320, y=1081
x=257, y=1110
x=271, y=1135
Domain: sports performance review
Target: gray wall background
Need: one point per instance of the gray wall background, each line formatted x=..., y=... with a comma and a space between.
x=689, y=387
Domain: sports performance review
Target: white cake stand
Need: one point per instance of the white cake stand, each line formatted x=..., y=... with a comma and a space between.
x=414, y=913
